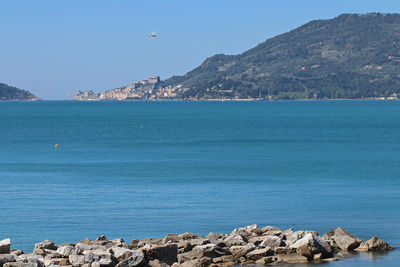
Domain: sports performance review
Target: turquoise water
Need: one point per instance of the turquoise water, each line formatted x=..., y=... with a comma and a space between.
x=146, y=169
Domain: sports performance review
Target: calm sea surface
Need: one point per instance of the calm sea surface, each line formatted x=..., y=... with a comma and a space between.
x=146, y=169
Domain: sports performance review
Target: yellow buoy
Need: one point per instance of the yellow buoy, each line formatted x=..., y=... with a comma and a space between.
x=57, y=146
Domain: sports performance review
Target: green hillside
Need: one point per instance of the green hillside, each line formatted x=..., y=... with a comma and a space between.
x=13, y=93
x=350, y=56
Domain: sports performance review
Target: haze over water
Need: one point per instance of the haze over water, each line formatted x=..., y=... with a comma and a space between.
x=146, y=169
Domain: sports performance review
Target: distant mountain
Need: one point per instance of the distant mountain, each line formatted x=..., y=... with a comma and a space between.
x=13, y=93
x=350, y=56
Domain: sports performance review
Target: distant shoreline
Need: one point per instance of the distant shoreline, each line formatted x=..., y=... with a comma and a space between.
x=203, y=100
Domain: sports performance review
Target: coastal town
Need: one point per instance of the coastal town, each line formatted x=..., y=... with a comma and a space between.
x=147, y=89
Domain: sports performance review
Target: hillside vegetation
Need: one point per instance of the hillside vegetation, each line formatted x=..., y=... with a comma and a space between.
x=350, y=56
x=13, y=93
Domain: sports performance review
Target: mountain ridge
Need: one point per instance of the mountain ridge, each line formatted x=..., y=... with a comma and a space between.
x=349, y=56
x=13, y=93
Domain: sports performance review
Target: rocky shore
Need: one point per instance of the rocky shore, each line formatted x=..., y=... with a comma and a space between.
x=246, y=245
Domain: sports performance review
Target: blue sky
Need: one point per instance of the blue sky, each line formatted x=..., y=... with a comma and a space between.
x=55, y=48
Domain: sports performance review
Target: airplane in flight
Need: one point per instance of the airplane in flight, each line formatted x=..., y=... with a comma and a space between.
x=152, y=34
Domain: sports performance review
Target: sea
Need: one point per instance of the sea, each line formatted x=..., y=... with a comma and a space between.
x=145, y=169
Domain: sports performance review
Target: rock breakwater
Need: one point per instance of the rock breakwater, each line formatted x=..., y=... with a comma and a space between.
x=246, y=245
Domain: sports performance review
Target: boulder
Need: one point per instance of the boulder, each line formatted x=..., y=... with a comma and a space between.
x=305, y=251
x=345, y=240
x=363, y=247
x=188, y=236
x=314, y=244
x=121, y=254
x=187, y=256
x=210, y=250
x=256, y=240
x=156, y=263
x=172, y=238
x=191, y=263
x=283, y=250
x=206, y=261
x=46, y=244
x=5, y=245
x=39, y=251
x=163, y=253
x=235, y=240
x=247, y=232
x=17, y=252
x=266, y=260
x=63, y=262
x=150, y=241
x=271, y=230
x=292, y=238
x=65, y=251
x=101, y=238
x=85, y=241
x=376, y=244
x=136, y=259
x=240, y=251
x=82, y=246
x=185, y=246
x=216, y=239
x=4, y=258
x=271, y=241
x=76, y=260
x=292, y=258
x=259, y=253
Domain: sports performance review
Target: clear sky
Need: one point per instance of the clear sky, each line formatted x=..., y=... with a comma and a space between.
x=55, y=48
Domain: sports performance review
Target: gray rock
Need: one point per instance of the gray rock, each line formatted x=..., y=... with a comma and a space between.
x=256, y=240
x=216, y=239
x=4, y=258
x=271, y=241
x=240, y=251
x=157, y=263
x=314, y=244
x=5, y=245
x=187, y=256
x=89, y=258
x=39, y=251
x=76, y=260
x=121, y=254
x=101, y=238
x=65, y=251
x=259, y=253
x=235, y=240
x=82, y=246
x=363, y=247
x=17, y=252
x=266, y=260
x=188, y=236
x=191, y=263
x=269, y=228
x=225, y=259
x=376, y=244
x=210, y=250
x=28, y=262
x=305, y=251
x=345, y=240
x=150, y=241
x=172, y=238
x=46, y=244
x=248, y=231
x=103, y=263
x=136, y=259
x=293, y=237
x=164, y=253
x=292, y=258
